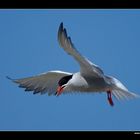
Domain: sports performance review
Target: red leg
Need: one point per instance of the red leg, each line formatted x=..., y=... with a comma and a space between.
x=110, y=97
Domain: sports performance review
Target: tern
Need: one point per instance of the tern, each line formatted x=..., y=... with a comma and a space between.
x=90, y=78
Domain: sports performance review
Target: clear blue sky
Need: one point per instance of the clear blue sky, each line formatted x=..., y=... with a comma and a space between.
x=29, y=46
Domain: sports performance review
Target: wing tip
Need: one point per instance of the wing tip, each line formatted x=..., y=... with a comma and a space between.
x=13, y=80
x=60, y=30
x=10, y=78
x=61, y=27
x=61, y=24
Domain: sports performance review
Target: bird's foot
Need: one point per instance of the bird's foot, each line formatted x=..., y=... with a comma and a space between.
x=110, y=98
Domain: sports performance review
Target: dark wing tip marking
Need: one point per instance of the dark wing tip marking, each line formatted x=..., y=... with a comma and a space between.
x=27, y=88
x=60, y=31
x=9, y=78
x=61, y=25
x=69, y=39
x=65, y=33
x=13, y=80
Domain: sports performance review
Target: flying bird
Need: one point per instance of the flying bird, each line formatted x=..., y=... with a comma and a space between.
x=90, y=78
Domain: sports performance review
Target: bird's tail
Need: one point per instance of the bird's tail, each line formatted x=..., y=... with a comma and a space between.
x=121, y=94
x=119, y=91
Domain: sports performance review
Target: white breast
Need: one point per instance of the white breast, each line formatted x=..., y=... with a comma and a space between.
x=77, y=83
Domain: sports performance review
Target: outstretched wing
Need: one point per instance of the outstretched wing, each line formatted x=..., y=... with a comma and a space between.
x=45, y=82
x=85, y=65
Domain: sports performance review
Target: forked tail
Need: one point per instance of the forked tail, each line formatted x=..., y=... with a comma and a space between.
x=118, y=90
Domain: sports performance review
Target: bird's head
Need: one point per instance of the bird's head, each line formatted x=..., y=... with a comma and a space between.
x=63, y=83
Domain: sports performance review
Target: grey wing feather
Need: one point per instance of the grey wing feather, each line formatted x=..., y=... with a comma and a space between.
x=46, y=82
x=85, y=65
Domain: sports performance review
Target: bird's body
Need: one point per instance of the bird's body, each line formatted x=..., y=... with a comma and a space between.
x=90, y=78
x=80, y=83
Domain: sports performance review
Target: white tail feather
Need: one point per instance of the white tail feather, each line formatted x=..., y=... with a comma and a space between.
x=119, y=91
x=121, y=94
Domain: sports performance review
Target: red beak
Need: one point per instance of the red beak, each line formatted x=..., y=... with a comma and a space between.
x=59, y=90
